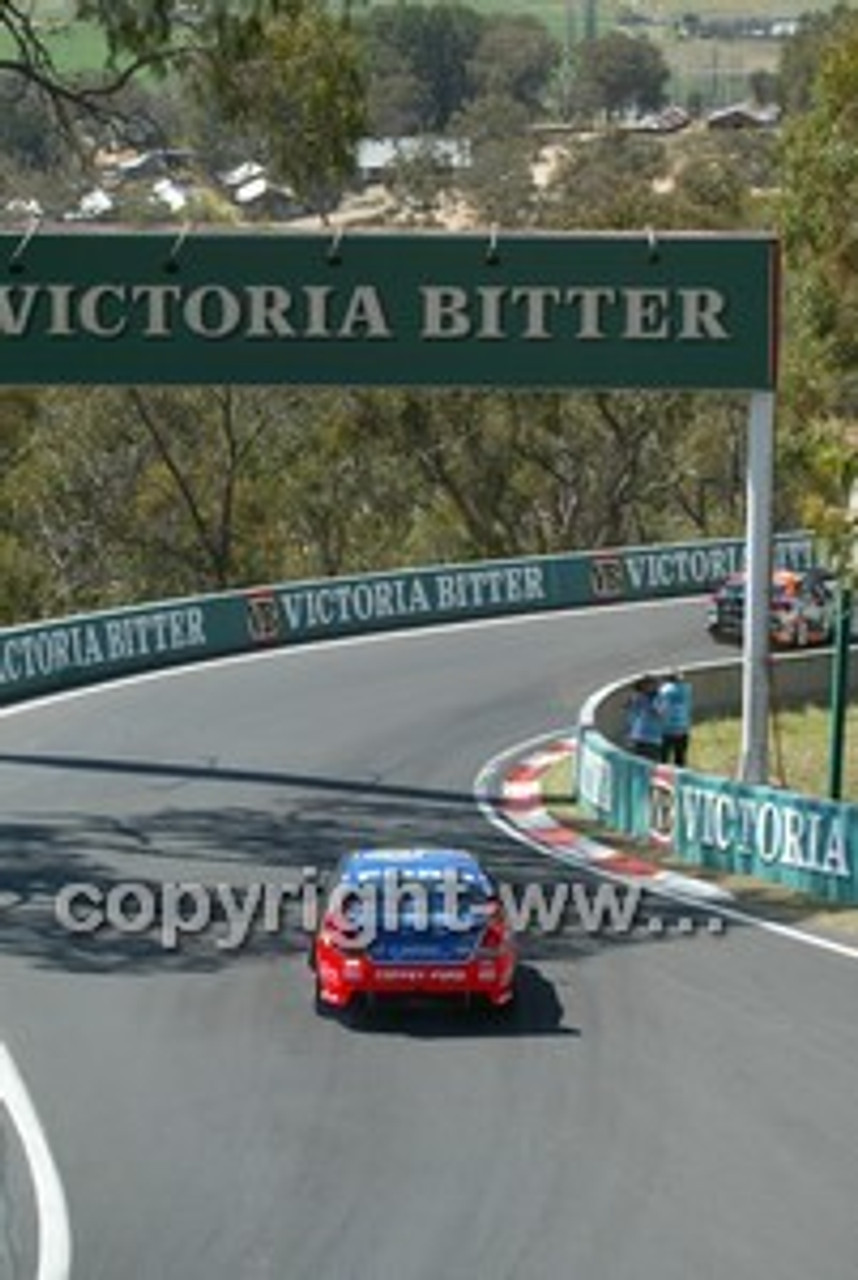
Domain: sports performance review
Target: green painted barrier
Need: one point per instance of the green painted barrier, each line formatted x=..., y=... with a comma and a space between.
x=45, y=657
x=48, y=656
x=613, y=784
x=804, y=843
x=344, y=606
x=644, y=573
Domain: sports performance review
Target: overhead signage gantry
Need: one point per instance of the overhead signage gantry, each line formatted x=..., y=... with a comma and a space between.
x=557, y=311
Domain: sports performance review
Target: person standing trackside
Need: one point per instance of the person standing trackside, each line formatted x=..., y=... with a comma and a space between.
x=644, y=720
x=675, y=703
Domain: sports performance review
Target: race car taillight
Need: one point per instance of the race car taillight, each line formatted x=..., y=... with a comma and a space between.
x=496, y=932
x=341, y=933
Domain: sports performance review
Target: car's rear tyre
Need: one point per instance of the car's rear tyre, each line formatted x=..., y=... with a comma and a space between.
x=358, y=1010
x=505, y=1012
x=351, y=1014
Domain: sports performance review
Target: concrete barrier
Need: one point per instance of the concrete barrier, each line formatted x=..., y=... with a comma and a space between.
x=798, y=679
x=44, y=657
x=803, y=842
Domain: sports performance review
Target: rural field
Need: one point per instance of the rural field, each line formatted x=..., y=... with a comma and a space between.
x=74, y=46
x=715, y=70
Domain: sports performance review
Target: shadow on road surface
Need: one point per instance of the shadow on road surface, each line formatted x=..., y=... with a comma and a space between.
x=537, y=1012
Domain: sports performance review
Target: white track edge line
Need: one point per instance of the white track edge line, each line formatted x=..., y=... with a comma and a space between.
x=54, y=1233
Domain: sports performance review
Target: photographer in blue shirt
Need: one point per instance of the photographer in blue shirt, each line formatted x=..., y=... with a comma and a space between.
x=644, y=721
x=675, y=701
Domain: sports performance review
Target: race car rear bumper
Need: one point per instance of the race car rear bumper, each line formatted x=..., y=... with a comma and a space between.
x=342, y=977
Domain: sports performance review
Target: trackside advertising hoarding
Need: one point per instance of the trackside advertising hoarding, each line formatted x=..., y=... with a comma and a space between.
x=641, y=573
x=684, y=310
x=803, y=842
x=421, y=596
x=806, y=843
x=41, y=657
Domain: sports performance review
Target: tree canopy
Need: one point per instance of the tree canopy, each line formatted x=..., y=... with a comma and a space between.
x=819, y=194
x=200, y=37
x=433, y=45
x=801, y=55
x=427, y=63
x=286, y=72
x=618, y=72
x=297, y=89
x=115, y=495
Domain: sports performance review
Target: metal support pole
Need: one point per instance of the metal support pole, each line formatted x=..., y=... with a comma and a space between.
x=754, y=765
x=839, y=690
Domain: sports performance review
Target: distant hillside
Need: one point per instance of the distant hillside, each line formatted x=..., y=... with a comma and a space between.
x=705, y=63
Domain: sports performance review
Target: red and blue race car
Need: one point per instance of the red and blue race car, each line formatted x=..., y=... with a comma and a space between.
x=413, y=922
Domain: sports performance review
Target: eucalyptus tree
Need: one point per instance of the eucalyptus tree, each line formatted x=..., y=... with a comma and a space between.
x=819, y=192
x=290, y=69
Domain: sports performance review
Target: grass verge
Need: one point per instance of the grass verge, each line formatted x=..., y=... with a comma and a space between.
x=798, y=750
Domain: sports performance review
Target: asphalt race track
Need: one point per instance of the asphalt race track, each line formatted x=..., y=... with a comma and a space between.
x=674, y=1109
